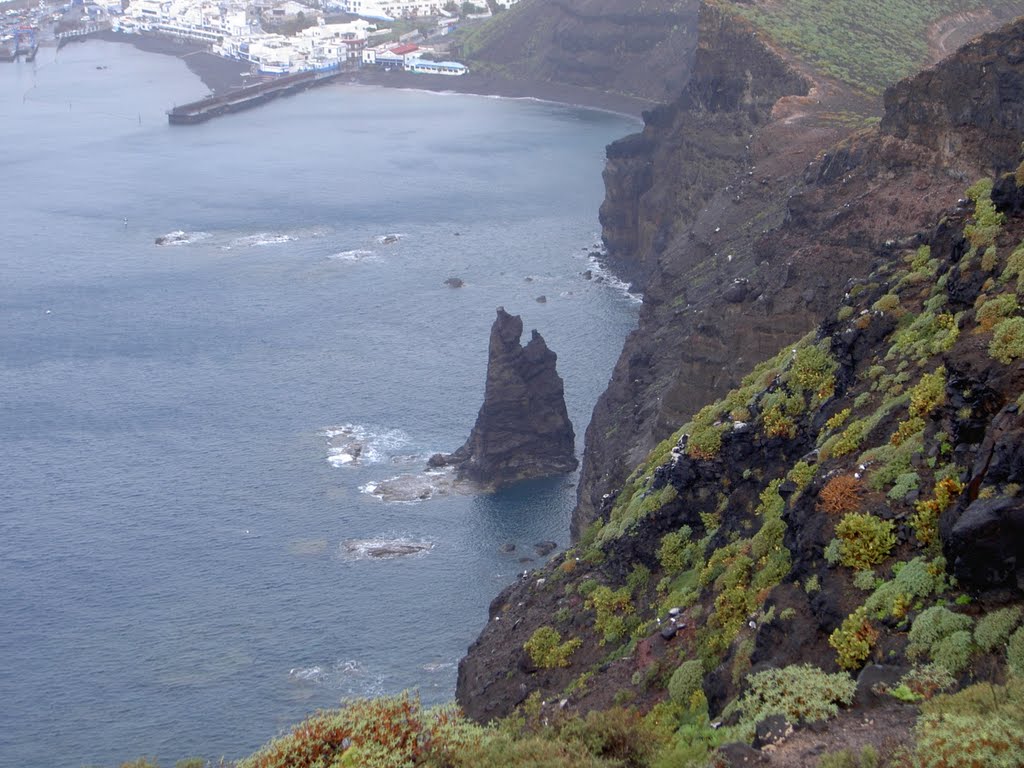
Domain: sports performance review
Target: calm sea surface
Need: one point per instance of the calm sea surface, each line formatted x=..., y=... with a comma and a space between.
x=182, y=534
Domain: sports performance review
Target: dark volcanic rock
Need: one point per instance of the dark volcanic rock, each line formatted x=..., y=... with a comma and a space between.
x=523, y=429
x=987, y=544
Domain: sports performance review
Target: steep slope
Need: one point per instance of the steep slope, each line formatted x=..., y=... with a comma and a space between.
x=742, y=239
x=856, y=501
x=592, y=44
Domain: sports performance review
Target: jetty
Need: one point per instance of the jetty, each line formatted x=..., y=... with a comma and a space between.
x=247, y=97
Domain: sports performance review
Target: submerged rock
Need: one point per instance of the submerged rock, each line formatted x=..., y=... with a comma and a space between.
x=523, y=428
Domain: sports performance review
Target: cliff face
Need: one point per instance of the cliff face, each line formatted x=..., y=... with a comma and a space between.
x=658, y=181
x=742, y=253
x=523, y=428
x=593, y=44
x=813, y=515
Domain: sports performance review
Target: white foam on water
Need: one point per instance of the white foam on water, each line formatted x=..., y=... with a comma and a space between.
x=384, y=548
x=261, y=239
x=390, y=238
x=606, y=276
x=357, y=254
x=181, y=237
x=347, y=676
x=351, y=444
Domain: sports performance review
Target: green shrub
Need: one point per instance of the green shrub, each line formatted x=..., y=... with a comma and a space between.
x=612, y=607
x=686, y=681
x=1007, y=342
x=853, y=640
x=887, y=303
x=905, y=483
x=677, y=551
x=982, y=725
x=865, y=540
x=388, y=732
x=547, y=650
x=799, y=692
x=934, y=625
x=924, y=682
x=705, y=441
x=929, y=393
x=987, y=220
x=994, y=629
x=912, y=581
x=865, y=580
x=813, y=371
x=994, y=310
x=1015, y=651
x=954, y=651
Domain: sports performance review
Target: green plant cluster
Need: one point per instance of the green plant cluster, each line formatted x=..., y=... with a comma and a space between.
x=853, y=640
x=913, y=581
x=678, y=551
x=943, y=636
x=982, y=725
x=685, y=685
x=546, y=649
x=864, y=540
x=1007, y=342
x=800, y=692
x=612, y=608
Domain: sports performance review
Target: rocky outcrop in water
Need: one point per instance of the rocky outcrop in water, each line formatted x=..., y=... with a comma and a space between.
x=523, y=429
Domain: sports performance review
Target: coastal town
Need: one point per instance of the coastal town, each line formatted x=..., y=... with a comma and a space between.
x=275, y=39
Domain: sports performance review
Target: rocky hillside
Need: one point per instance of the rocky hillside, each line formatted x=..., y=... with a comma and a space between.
x=726, y=206
x=854, y=505
x=600, y=44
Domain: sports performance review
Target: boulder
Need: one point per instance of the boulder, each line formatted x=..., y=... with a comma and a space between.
x=986, y=545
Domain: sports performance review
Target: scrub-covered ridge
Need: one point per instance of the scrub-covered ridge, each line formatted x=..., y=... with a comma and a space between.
x=853, y=507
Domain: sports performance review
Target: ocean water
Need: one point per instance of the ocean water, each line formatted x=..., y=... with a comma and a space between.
x=185, y=525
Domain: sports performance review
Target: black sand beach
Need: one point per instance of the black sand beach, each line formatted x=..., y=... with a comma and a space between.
x=220, y=74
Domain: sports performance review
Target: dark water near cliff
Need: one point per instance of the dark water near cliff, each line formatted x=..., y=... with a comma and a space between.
x=180, y=563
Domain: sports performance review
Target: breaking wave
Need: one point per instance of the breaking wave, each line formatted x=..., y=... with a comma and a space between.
x=358, y=444
x=349, y=677
x=601, y=273
x=181, y=237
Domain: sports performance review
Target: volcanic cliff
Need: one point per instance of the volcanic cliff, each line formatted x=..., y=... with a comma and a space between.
x=743, y=207
x=853, y=502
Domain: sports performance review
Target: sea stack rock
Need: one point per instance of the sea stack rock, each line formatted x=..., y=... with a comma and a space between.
x=523, y=429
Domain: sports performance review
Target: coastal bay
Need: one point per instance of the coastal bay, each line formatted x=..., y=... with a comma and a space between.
x=187, y=552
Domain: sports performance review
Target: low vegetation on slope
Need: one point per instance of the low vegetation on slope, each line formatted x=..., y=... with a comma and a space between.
x=868, y=44
x=806, y=526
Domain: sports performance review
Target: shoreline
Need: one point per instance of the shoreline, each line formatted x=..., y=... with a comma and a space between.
x=220, y=74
